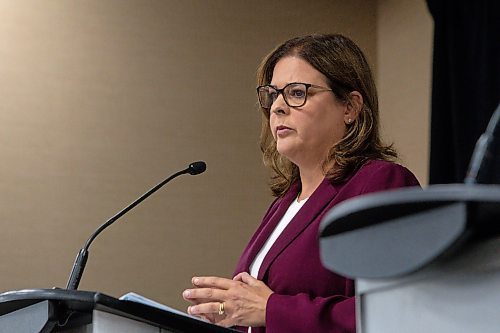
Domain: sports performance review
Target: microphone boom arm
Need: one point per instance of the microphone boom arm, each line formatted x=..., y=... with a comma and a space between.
x=81, y=259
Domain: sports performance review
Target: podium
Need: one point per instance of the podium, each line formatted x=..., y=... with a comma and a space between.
x=73, y=311
x=423, y=260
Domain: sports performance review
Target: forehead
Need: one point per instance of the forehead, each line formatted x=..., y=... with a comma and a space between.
x=295, y=69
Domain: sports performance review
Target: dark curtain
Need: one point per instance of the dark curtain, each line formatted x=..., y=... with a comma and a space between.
x=466, y=82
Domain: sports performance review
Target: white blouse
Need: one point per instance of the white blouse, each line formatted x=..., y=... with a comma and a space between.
x=295, y=206
x=285, y=220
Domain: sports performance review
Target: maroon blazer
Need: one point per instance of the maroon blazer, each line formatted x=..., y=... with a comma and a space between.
x=307, y=297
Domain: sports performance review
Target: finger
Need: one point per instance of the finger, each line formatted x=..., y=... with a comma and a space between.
x=247, y=278
x=204, y=309
x=196, y=300
x=237, y=277
x=208, y=318
x=212, y=281
x=205, y=318
x=202, y=317
x=185, y=295
x=207, y=294
x=227, y=322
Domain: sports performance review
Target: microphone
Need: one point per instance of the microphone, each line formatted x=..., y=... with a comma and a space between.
x=194, y=168
x=484, y=154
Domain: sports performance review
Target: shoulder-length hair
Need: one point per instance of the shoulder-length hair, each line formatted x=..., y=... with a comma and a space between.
x=346, y=69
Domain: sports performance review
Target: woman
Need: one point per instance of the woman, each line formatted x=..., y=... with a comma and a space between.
x=320, y=136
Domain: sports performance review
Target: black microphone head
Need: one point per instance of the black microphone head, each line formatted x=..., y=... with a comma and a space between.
x=196, y=168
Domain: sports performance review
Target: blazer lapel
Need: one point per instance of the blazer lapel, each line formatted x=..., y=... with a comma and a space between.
x=268, y=225
x=321, y=197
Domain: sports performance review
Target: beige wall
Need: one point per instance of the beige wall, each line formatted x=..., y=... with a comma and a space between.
x=404, y=66
x=102, y=99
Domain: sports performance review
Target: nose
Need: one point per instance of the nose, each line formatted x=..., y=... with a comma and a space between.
x=279, y=106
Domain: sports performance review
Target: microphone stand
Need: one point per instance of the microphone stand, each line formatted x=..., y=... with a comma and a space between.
x=483, y=158
x=81, y=259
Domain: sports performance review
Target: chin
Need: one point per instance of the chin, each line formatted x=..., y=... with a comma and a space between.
x=286, y=152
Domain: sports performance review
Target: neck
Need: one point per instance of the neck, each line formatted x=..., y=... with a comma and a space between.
x=310, y=179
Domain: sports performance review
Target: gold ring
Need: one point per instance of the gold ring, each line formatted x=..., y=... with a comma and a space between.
x=221, y=308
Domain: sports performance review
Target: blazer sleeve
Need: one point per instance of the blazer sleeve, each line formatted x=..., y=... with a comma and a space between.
x=335, y=314
x=300, y=313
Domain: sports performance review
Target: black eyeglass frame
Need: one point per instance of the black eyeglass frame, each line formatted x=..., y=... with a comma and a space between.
x=282, y=90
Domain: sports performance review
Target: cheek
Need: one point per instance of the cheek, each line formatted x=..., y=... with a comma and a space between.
x=271, y=126
x=335, y=132
x=331, y=128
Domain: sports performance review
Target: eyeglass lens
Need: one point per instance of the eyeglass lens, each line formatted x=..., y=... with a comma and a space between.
x=294, y=94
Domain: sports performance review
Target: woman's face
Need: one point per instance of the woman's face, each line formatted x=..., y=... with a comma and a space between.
x=305, y=134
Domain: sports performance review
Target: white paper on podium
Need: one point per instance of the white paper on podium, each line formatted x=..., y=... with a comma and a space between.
x=133, y=297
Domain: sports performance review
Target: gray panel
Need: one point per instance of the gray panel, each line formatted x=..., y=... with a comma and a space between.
x=104, y=322
x=31, y=319
x=460, y=295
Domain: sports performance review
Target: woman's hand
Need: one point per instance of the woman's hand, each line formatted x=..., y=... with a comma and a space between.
x=244, y=300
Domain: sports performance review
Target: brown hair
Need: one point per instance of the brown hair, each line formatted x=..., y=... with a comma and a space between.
x=345, y=66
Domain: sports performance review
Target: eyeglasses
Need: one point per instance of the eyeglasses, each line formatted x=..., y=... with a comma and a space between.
x=294, y=94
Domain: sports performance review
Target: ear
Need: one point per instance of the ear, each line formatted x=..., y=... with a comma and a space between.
x=354, y=107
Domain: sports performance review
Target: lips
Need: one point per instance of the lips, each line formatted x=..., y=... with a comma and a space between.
x=283, y=130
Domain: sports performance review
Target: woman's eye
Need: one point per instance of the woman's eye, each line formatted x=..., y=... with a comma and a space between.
x=298, y=93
